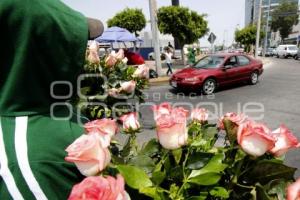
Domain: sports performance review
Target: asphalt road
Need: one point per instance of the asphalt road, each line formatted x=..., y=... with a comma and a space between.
x=274, y=100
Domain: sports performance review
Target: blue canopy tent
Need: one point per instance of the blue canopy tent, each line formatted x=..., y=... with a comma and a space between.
x=117, y=34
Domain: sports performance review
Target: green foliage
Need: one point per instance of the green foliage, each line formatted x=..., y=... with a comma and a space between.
x=185, y=25
x=131, y=19
x=200, y=170
x=247, y=36
x=284, y=17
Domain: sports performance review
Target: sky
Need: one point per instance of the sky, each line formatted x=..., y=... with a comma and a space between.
x=223, y=16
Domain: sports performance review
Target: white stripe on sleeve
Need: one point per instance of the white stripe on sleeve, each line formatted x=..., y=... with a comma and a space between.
x=22, y=157
x=5, y=173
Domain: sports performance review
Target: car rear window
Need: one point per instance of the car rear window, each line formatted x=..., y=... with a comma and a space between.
x=209, y=62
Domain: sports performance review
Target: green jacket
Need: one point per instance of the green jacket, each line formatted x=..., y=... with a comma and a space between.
x=42, y=50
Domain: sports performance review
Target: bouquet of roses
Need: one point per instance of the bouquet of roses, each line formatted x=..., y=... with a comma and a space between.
x=108, y=83
x=184, y=162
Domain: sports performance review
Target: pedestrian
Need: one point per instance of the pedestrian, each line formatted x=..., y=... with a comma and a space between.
x=191, y=56
x=168, y=56
x=43, y=46
x=170, y=46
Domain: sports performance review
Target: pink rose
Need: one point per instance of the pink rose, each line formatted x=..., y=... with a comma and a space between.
x=293, y=191
x=171, y=128
x=125, y=60
x=119, y=55
x=130, y=122
x=113, y=92
x=163, y=108
x=233, y=117
x=128, y=86
x=105, y=128
x=98, y=187
x=255, y=138
x=88, y=155
x=110, y=61
x=200, y=115
x=285, y=141
x=141, y=72
x=93, y=56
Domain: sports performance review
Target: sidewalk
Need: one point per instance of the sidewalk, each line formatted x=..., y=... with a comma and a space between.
x=164, y=79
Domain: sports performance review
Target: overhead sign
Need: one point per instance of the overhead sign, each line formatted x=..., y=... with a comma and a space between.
x=212, y=38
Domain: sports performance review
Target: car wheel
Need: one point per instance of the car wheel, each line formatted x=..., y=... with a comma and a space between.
x=254, y=78
x=209, y=86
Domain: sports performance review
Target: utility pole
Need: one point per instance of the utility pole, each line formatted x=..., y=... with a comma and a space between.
x=267, y=30
x=176, y=43
x=155, y=35
x=258, y=28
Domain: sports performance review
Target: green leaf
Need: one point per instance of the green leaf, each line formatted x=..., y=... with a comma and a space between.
x=144, y=162
x=219, y=192
x=177, y=153
x=150, y=148
x=150, y=192
x=261, y=194
x=210, y=132
x=215, y=165
x=198, y=159
x=158, y=177
x=134, y=176
x=277, y=188
x=266, y=171
x=210, y=178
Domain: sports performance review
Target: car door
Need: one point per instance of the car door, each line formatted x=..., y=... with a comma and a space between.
x=244, y=68
x=231, y=70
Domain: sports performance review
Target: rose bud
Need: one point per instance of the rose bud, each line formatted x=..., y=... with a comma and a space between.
x=163, y=108
x=125, y=60
x=120, y=54
x=113, y=92
x=98, y=187
x=255, y=138
x=130, y=122
x=110, y=61
x=237, y=119
x=285, y=141
x=293, y=191
x=93, y=56
x=128, y=86
x=88, y=155
x=230, y=123
x=105, y=128
x=141, y=72
x=171, y=129
x=200, y=115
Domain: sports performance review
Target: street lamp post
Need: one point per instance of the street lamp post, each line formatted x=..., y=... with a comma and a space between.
x=267, y=30
x=155, y=35
x=258, y=29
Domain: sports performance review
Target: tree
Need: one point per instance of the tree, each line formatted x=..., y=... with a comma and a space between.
x=131, y=19
x=284, y=17
x=185, y=25
x=247, y=36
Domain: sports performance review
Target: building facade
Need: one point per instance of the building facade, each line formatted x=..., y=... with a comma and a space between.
x=251, y=17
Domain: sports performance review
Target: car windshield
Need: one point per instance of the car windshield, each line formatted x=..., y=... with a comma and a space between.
x=293, y=48
x=209, y=62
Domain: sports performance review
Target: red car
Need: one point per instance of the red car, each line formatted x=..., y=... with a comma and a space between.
x=218, y=70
